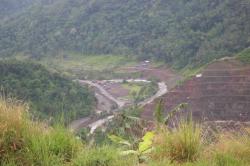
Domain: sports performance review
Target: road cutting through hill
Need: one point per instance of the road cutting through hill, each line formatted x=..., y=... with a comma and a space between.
x=95, y=123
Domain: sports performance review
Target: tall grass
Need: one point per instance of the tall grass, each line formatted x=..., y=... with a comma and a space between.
x=181, y=145
x=186, y=146
x=24, y=142
x=12, y=129
x=230, y=149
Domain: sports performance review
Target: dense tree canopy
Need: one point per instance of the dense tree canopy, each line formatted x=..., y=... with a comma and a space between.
x=179, y=32
x=49, y=94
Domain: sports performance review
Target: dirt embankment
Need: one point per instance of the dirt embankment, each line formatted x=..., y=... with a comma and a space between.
x=148, y=71
x=108, y=101
x=107, y=97
x=220, y=92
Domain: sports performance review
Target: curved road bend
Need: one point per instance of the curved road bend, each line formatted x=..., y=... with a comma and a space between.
x=104, y=92
x=162, y=89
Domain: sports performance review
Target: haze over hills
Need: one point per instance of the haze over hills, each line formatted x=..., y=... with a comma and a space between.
x=179, y=32
x=91, y=38
x=125, y=82
x=9, y=7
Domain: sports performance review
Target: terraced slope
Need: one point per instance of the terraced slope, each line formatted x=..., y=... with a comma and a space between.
x=220, y=92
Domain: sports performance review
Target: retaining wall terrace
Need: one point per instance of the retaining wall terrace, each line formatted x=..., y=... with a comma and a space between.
x=221, y=93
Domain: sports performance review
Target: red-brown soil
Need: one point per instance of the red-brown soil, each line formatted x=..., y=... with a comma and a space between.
x=148, y=71
x=221, y=93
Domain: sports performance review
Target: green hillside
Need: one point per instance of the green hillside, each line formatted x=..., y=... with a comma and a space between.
x=48, y=94
x=179, y=32
x=244, y=56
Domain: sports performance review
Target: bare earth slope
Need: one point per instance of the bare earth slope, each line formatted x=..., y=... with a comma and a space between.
x=220, y=92
x=165, y=76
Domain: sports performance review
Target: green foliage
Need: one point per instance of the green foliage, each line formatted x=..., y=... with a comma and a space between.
x=146, y=91
x=103, y=156
x=83, y=134
x=49, y=93
x=90, y=67
x=55, y=148
x=140, y=91
x=23, y=142
x=144, y=146
x=181, y=145
x=244, y=56
x=178, y=32
x=126, y=126
x=118, y=140
x=173, y=112
x=146, y=143
x=74, y=61
x=158, y=113
x=227, y=160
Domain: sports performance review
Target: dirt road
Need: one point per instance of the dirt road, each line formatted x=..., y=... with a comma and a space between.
x=119, y=103
x=94, y=124
x=77, y=124
x=162, y=90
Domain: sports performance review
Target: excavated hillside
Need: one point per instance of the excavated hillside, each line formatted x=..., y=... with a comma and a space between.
x=220, y=93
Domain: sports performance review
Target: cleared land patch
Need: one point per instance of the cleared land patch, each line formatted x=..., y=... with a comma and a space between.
x=219, y=92
x=87, y=66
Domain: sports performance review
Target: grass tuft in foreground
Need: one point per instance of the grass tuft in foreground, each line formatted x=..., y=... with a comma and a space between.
x=24, y=142
x=186, y=146
x=182, y=145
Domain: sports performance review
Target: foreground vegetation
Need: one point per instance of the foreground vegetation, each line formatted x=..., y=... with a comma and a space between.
x=49, y=94
x=24, y=142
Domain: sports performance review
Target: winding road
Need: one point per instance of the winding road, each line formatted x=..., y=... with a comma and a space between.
x=119, y=103
x=162, y=90
x=94, y=124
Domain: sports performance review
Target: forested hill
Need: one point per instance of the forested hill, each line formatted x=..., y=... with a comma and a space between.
x=180, y=32
x=49, y=94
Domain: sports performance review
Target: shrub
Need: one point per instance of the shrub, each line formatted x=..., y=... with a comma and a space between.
x=227, y=160
x=23, y=142
x=231, y=148
x=244, y=56
x=103, y=156
x=183, y=144
x=50, y=95
x=63, y=143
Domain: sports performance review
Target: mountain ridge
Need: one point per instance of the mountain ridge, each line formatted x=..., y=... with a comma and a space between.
x=180, y=33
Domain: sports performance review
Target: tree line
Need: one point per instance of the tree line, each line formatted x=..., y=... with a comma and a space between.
x=48, y=94
x=181, y=33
